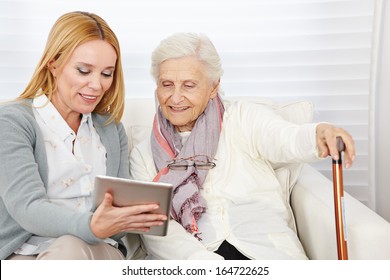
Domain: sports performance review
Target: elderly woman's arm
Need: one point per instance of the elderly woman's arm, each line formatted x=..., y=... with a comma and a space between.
x=278, y=140
x=273, y=138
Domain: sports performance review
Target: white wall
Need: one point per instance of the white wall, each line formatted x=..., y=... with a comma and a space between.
x=382, y=115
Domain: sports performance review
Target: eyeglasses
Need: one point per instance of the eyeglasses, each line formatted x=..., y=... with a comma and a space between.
x=200, y=162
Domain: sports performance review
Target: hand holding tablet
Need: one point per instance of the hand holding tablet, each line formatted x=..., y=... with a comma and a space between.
x=128, y=192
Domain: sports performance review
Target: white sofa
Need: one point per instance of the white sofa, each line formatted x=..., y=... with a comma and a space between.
x=311, y=199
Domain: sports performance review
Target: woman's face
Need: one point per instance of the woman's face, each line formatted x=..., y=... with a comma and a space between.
x=183, y=91
x=84, y=78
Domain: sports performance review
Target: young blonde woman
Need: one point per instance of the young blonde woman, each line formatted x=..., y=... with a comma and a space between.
x=60, y=133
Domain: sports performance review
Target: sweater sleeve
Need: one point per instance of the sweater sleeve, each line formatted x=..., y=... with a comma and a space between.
x=275, y=139
x=22, y=190
x=124, y=154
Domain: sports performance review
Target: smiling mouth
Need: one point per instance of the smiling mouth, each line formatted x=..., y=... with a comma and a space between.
x=178, y=109
x=89, y=97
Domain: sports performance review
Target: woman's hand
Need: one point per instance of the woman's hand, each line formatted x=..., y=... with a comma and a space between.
x=327, y=143
x=109, y=220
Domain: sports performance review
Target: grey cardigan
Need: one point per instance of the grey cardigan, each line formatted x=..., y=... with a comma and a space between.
x=24, y=207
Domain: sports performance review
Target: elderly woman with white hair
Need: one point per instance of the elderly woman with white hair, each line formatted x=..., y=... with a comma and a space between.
x=227, y=201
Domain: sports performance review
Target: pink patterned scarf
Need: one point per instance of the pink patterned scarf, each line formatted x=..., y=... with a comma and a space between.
x=187, y=204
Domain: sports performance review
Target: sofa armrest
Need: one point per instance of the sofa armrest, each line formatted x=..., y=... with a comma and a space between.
x=313, y=206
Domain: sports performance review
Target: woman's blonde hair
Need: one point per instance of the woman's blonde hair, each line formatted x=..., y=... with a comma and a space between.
x=69, y=31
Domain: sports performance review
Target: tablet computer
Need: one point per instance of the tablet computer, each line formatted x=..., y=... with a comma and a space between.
x=128, y=192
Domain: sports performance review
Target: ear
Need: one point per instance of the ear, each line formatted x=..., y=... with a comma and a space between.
x=52, y=68
x=214, y=92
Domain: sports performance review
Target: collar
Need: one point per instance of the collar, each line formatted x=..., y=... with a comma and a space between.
x=53, y=119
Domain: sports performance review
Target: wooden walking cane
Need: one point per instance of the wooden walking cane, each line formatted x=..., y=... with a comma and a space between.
x=339, y=203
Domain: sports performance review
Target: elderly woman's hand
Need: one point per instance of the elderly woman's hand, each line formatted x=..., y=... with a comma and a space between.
x=327, y=143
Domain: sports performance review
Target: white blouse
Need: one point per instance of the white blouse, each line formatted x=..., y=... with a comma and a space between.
x=74, y=159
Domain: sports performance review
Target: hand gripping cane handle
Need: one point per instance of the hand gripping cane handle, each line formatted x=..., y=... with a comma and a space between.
x=339, y=203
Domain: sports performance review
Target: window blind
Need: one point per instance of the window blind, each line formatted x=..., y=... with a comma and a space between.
x=315, y=50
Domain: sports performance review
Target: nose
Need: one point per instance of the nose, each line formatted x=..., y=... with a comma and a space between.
x=177, y=96
x=95, y=82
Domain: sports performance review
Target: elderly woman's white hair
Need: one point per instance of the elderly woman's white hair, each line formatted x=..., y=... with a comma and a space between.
x=188, y=44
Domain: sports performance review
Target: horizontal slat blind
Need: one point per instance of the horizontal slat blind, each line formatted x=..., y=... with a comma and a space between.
x=315, y=50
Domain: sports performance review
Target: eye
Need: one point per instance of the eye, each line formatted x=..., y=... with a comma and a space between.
x=167, y=84
x=83, y=70
x=189, y=85
x=108, y=74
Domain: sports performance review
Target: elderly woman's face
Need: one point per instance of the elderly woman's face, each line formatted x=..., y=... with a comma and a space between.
x=183, y=91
